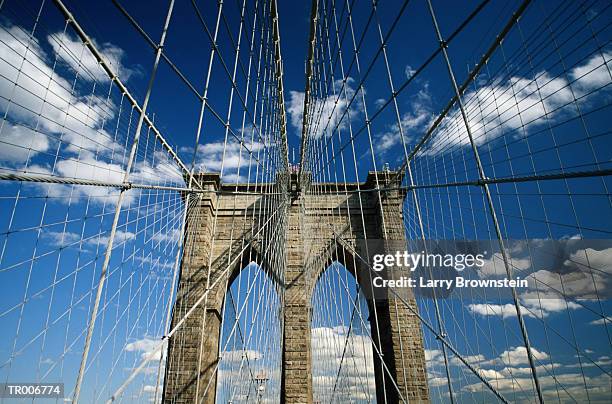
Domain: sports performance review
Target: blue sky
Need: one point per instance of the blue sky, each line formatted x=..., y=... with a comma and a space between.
x=540, y=106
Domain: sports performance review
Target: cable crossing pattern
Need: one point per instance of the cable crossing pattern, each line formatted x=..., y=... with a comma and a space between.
x=162, y=242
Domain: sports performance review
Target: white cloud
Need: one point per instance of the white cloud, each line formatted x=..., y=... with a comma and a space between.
x=599, y=260
x=437, y=381
x=158, y=263
x=532, y=304
x=584, y=274
x=61, y=239
x=509, y=373
x=66, y=239
x=588, y=362
x=495, y=267
x=433, y=356
x=588, y=278
x=327, y=112
x=379, y=102
x=62, y=109
x=566, y=387
x=146, y=346
x=471, y=359
x=545, y=368
x=42, y=98
x=508, y=105
x=518, y=356
x=90, y=167
x=504, y=310
x=295, y=108
x=601, y=321
x=72, y=51
x=120, y=237
x=157, y=168
x=234, y=377
x=409, y=71
x=47, y=361
x=490, y=374
x=59, y=109
x=414, y=122
x=240, y=355
x=232, y=157
x=357, y=372
x=167, y=235
x=594, y=73
x=17, y=142
x=546, y=302
x=87, y=168
x=510, y=359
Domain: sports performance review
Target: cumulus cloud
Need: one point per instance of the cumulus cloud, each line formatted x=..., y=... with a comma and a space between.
x=409, y=71
x=87, y=168
x=327, y=113
x=121, y=237
x=503, y=310
x=48, y=111
x=240, y=355
x=61, y=238
x=509, y=373
x=156, y=262
x=72, y=51
x=18, y=142
x=234, y=158
x=357, y=372
x=547, y=302
x=564, y=387
x=561, y=276
x=494, y=266
x=433, y=356
x=167, y=235
x=587, y=275
x=594, y=73
x=507, y=105
x=148, y=392
x=379, y=102
x=546, y=294
x=295, y=108
x=413, y=122
x=532, y=304
x=39, y=97
x=235, y=375
x=602, y=321
x=157, y=168
x=146, y=347
x=68, y=239
x=518, y=356
x=469, y=358
x=434, y=359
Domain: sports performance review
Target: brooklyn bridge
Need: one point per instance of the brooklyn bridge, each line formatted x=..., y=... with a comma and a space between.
x=333, y=201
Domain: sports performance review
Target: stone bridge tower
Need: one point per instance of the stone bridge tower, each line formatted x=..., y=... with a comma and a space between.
x=323, y=226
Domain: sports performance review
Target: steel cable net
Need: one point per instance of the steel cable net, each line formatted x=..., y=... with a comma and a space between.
x=103, y=198
x=149, y=212
x=490, y=121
